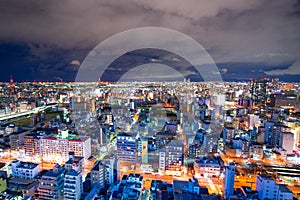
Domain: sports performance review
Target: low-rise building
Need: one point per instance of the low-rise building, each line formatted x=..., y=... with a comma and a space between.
x=267, y=188
x=24, y=169
x=130, y=187
x=256, y=151
x=208, y=166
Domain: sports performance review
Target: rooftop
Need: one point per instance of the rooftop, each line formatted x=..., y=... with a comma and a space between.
x=26, y=165
x=96, y=166
x=285, y=189
x=75, y=159
x=72, y=173
x=56, y=171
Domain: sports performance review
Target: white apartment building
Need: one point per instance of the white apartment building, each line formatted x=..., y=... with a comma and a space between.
x=24, y=169
x=73, y=186
x=207, y=167
x=57, y=149
x=267, y=188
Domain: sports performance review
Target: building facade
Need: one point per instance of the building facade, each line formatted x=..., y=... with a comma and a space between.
x=127, y=147
x=73, y=186
x=267, y=188
x=52, y=183
x=24, y=169
x=229, y=180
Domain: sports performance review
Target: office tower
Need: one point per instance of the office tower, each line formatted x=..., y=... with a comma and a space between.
x=202, y=109
x=51, y=185
x=268, y=132
x=278, y=130
x=259, y=91
x=73, y=186
x=98, y=175
x=127, y=147
x=267, y=188
x=171, y=156
x=229, y=180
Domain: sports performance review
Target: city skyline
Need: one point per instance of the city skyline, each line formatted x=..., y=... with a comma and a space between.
x=150, y=100
x=49, y=41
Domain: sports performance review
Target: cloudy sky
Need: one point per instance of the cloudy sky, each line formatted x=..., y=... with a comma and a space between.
x=48, y=40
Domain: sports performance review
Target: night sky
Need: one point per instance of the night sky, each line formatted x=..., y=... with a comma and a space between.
x=48, y=40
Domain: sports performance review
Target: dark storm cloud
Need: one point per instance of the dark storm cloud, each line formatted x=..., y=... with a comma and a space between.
x=257, y=31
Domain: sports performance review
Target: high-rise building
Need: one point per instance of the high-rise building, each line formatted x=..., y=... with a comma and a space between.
x=268, y=132
x=111, y=163
x=228, y=133
x=54, y=149
x=171, y=156
x=98, y=175
x=127, y=147
x=229, y=180
x=52, y=183
x=277, y=131
x=259, y=90
x=73, y=186
x=81, y=146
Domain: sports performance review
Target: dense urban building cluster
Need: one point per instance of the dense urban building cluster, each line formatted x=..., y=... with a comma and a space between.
x=150, y=140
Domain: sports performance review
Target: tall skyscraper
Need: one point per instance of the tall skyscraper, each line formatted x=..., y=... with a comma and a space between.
x=229, y=180
x=259, y=91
